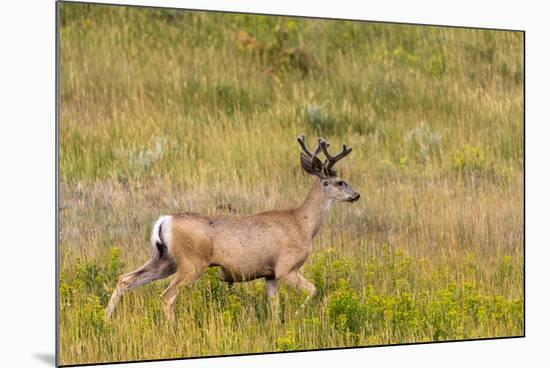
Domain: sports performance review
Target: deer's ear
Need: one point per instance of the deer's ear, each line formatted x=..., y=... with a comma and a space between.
x=312, y=166
x=317, y=165
x=306, y=164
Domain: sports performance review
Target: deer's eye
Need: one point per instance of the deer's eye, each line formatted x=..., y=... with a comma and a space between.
x=341, y=183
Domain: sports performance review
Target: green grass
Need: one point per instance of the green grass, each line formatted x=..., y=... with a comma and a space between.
x=165, y=111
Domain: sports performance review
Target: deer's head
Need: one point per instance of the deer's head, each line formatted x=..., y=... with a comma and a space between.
x=334, y=187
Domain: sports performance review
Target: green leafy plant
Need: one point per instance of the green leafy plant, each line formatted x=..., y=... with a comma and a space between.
x=345, y=309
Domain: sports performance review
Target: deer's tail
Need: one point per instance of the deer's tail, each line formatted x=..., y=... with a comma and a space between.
x=161, y=237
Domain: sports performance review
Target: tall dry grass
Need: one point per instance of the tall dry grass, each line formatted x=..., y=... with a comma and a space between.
x=165, y=111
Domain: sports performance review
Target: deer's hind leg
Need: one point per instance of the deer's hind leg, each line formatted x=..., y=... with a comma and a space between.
x=154, y=269
x=188, y=272
x=272, y=285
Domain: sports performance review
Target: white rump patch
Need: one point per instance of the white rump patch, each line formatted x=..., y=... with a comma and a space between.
x=166, y=222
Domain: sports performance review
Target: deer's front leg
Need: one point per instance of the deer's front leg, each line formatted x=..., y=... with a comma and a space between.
x=297, y=280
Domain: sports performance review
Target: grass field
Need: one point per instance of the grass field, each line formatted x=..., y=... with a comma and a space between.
x=165, y=111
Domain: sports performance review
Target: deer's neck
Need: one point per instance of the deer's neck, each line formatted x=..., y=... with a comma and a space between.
x=311, y=214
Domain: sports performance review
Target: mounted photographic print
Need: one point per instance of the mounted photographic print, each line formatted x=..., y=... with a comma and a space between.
x=240, y=183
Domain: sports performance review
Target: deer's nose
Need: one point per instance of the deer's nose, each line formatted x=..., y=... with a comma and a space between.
x=355, y=197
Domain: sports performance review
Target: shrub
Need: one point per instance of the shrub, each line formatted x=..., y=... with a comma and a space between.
x=287, y=342
x=345, y=309
x=469, y=160
x=326, y=271
x=505, y=268
x=403, y=312
x=213, y=283
x=91, y=278
x=141, y=159
x=423, y=143
x=471, y=301
x=91, y=315
x=322, y=120
x=234, y=309
x=444, y=315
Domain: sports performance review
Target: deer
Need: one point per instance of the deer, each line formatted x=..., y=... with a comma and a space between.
x=273, y=245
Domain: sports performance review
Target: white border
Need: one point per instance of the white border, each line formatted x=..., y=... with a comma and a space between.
x=27, y=181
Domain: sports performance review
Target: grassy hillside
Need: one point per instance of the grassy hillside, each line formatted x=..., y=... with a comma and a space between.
x=165, y=111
